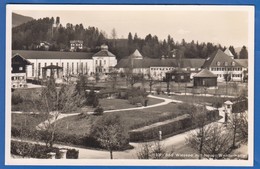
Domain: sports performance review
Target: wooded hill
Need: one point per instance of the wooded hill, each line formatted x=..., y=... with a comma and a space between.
x=28, y=35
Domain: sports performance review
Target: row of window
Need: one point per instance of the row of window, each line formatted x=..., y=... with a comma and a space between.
x=100, y=62
x=233, y=75
x=226, y=63
x=162, y=69
x=226, y=69
x=76, y=44
x=79, y=67
x=167, y=69
x=17, y=78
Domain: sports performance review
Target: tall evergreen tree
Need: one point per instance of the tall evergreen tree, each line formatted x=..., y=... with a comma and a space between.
x=243, y=53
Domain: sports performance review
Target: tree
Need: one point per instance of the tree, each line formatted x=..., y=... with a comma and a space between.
x=111, y=133
x=92, y=99
x=53, y=102
x=217, y=142
x=151, y=82
x=154, y=150
x=232, y=50
x=233, y=123
x=198, y=138
x=243, y=54
x=114, y=36
x=227, y=78
x=211, y=142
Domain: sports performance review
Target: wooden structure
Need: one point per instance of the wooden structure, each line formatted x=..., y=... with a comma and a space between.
x=205, y=78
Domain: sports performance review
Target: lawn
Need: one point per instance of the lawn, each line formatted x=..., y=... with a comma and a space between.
x=112, y=104
x=209, y=100
x=27, y=120
x=81, y=124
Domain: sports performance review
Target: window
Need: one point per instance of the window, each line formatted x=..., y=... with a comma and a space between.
x=57, y=64
x=182, y=77
x=12, y=78
x=32, y=69
x=51, y=63
x=20, y=68
x=39, y=69
x=233, y=63
x=45, y=64
x=77, y=67
x=100, y=62
x=218, y=63
x=104, y=62
x=96, y=62
x=223, y=69
x=226, y=63
x=67, y=67
x=72, y=67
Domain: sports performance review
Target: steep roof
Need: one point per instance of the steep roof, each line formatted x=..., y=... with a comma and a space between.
x=192, y=63
x=30, y=54
x=136, y=55
x=205, y=73
x=148, y=62
x=243, y=62
x=228, y=52
x=104, y=53
x=220, y=59
x=17, y=59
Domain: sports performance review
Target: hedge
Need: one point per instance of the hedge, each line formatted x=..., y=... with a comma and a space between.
x=39, y=151
x=174, y=126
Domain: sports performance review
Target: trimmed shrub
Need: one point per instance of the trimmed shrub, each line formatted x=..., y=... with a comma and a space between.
x=16, y=98
x=98, y=111
x=175, y=126
x=72, y=154
x=240, y=106
x=39, y=151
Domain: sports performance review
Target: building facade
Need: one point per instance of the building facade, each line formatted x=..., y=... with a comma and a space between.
x=224, y=66
x=72, y=63
x=19, y=74
x=75, y=45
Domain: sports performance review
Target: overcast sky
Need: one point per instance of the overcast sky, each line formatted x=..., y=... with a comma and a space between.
x=219, y=26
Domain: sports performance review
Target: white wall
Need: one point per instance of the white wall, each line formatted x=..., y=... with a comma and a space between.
x=69, y=66
x=103, y=63
x=236, y=73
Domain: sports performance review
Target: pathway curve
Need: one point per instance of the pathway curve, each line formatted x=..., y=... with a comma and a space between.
x=43, y=125
x=176, y=141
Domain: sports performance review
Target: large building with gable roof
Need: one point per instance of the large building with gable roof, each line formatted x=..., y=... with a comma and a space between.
x=224, y=65
x=157, y=68
x=71, y=63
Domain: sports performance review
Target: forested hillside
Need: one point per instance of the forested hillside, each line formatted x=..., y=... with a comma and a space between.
x=19, y=19
x=27, y=36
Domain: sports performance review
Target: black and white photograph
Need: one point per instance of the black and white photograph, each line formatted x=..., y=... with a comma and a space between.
x=129, y=85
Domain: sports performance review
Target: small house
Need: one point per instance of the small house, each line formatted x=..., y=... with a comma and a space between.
x=205, y=78
x=178, y=75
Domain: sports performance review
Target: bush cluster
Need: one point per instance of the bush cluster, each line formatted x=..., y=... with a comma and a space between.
x=240, y=106
x=39, y=151
x=73, y=139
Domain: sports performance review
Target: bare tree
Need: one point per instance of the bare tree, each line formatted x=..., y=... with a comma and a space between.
x=153, y=150
x=151, y=82
x=233, y=123
x=53, y=102
x=113, y=78
x=217, y=142
x=211, y=142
